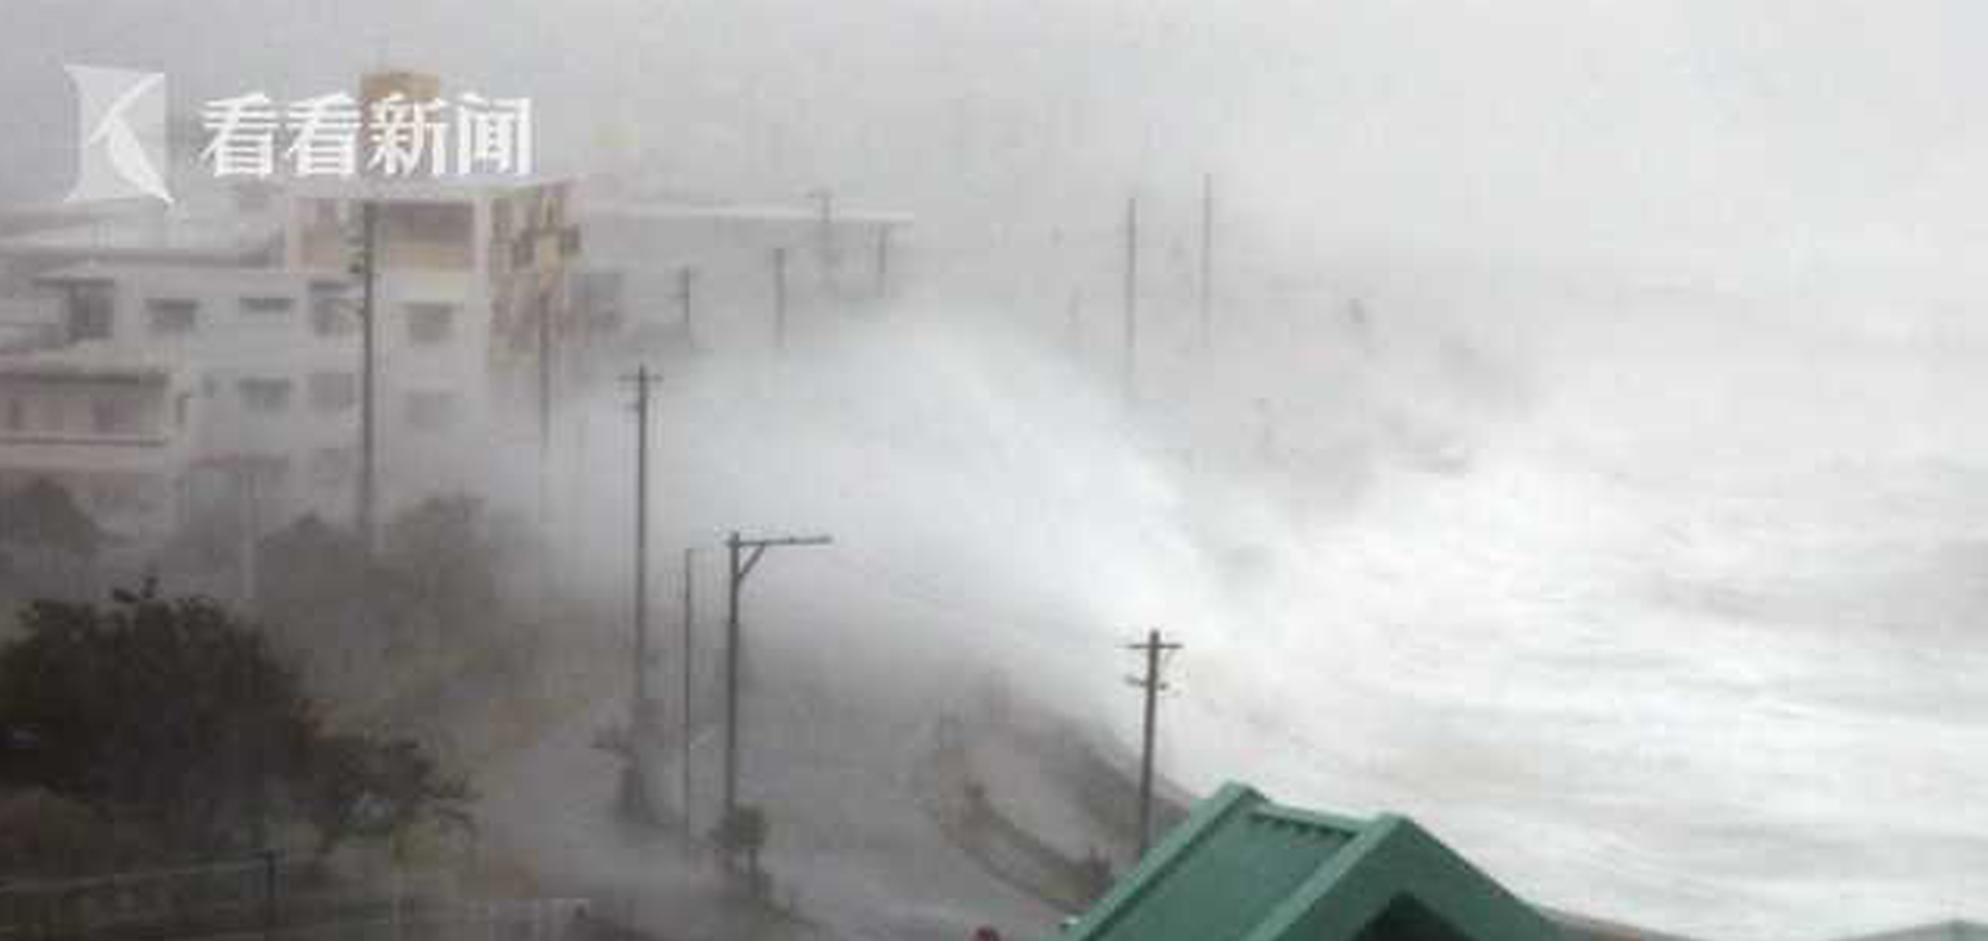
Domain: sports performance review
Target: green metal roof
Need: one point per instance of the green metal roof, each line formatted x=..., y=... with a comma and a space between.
x=1244, y=869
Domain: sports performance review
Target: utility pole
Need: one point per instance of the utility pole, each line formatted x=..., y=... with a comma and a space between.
x=684, y=276
x=247, y=480
x=689, y=624
x=1153, y=647
x=1207, y=261
x=883, y=259
x=268, y=859
x=825, y=199
x=638, y=720
x=743, y=555
x=1130, y=366
x=544, y=311
x=368, y=466
x=780, y=298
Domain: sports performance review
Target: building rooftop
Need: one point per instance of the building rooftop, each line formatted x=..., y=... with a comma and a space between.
x=149, y=232
x=744, y=212
x=445, y=188
x=1244, y=869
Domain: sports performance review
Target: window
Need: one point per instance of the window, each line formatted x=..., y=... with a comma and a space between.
x=17, y=415
x=172, y=316
x=333, y=391
x=110, y=415
x=429, y=324
x=430, y=411
x=90, y=312
x=270, y=305
x=430, y=222
x=333, y=467
x=332, y=313
x=264, y=395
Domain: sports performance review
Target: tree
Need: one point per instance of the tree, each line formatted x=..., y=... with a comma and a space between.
x=43, y=515
x=48, y=544
x=447, y=563
x=362, y=788
x=175, y=713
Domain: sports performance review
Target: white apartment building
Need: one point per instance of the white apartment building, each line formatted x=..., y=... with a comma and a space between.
x=463, y=272
x=233, y=320
x=112, y=432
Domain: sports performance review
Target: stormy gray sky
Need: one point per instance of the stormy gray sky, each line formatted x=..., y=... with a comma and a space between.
x=1777, y=138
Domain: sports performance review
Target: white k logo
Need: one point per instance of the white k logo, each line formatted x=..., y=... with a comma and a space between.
x=121, y=123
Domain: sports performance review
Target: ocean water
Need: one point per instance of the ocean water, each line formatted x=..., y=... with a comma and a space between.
x=1695, y=635
x=1664, y=606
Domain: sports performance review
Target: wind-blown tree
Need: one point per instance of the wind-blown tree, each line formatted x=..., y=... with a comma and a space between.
x=171, y=712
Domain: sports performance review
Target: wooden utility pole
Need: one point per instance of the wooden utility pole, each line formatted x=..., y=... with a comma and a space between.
x=1130, y=366
x=1207, y=261
x=780, y=298
x=742, y=554
x=366, y=511
x=1153, y=647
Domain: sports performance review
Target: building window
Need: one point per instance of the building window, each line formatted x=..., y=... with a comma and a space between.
x=333, y=467
x=430, y=411
x=332, y=313
x=264, y=395
x=430, y=324
x=17, y=415
x=172, y=316
x=111, y=415
x=333, y=391
x=270, y=305
x=90, y=312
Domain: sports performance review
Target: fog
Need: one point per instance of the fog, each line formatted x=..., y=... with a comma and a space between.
x=1630, y=538
x=1662, y=603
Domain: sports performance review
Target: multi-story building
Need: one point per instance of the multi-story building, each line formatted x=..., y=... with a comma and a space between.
x=259, y=321
x=111, y=430
x=244, y=314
